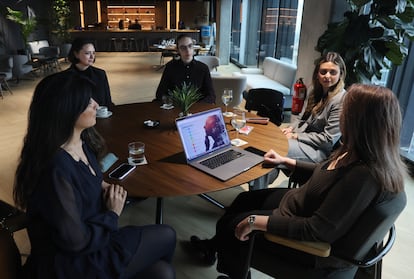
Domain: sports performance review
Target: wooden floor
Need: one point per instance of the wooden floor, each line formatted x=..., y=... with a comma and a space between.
x=133, y=78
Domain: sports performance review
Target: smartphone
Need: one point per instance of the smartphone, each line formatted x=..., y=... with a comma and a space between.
x=255, y=150
x=260, y=153
x=121, y=171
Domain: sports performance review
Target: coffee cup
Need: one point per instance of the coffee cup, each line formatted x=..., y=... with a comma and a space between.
x=102, y=111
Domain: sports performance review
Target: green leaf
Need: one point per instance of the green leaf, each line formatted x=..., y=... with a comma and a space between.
x=185, y=96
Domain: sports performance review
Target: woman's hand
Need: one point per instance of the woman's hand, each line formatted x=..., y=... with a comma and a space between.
x=243, y=229
x=114, y=198
x=105, y=185
x=272, y=157
x=291, y=136
x=287, y=130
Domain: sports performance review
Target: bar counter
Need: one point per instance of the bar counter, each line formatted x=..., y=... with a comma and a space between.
x=129, y=39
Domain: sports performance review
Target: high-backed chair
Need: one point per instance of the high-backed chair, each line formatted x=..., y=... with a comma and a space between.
x=64, y=51
x=211, y=61
x=6, y=72
x=236, y=83
x=11, y=220
x=361, y=248
x=267, y=102
x=21, y=66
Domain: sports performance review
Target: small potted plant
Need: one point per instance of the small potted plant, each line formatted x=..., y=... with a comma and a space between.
x=184, y=97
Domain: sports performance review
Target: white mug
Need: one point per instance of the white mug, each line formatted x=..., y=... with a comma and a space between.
x=102, y=111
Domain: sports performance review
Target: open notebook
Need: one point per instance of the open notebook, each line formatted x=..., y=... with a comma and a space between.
x=207, y=146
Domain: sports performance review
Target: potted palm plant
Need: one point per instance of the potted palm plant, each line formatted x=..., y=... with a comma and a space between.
x=371, y=34
x=27, y=24
x=184, y=97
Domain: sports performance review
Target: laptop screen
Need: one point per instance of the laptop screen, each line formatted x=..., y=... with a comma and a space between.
x=203, y=133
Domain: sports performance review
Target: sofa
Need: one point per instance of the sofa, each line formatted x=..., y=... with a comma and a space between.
x=275, y=74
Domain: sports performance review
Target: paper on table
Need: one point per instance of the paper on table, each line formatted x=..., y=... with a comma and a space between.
x=238, y=142
x=144, y=162
x=246, y=130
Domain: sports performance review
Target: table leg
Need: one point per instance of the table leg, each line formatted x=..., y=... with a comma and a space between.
x=210, y=199
x=158, y=214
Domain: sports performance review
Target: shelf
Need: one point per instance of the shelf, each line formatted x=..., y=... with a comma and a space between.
x=144, y=14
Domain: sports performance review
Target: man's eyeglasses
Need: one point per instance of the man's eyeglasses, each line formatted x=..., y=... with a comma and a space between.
x=185, y=47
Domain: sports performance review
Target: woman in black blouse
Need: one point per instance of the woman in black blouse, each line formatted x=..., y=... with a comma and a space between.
x=365, y=169
x=72, y=212
x=82, y=56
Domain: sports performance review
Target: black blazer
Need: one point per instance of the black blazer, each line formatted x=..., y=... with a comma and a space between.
x=101, y=94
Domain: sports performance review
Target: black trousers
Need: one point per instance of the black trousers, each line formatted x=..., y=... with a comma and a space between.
x=231, y=252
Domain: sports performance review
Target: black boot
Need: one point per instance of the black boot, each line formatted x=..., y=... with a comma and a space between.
x=205, y=249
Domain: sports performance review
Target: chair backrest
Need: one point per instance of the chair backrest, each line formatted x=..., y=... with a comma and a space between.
x=19, y=65
x=236, y=83
x=10, y=261
x=11, y=220
x=370, y=229
x=64, y=50
x=267, y=102
x=6, y=66
x=211, y=61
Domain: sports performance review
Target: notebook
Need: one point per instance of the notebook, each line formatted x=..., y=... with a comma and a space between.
x=207, y=146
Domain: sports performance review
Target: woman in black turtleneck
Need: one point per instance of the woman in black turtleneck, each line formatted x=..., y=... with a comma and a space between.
x=82, y=57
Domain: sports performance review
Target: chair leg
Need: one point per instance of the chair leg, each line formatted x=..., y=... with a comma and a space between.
x=246, y=268
x=6, y=85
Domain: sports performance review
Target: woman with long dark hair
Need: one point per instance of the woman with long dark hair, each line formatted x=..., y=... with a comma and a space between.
x=72, y=212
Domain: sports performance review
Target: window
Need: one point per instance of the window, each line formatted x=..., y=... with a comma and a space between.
x=265, y=28
x=401, y=81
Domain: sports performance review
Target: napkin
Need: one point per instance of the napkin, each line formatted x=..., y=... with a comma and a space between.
x=108, y=161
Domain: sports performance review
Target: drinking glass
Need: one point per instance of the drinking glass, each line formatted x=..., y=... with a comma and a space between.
x=238, y=122
x=227, y=97
x=136, y=152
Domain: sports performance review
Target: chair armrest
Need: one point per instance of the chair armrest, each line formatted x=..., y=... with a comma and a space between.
x=252, y=71
x=321, y=249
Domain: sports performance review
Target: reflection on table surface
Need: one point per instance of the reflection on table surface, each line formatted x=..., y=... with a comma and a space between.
x=167, y=172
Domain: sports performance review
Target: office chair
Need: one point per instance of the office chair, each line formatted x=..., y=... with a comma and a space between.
x=21, y=66
x=361, y=248
x=6, y=72
x=267, y=102
x=11, y=220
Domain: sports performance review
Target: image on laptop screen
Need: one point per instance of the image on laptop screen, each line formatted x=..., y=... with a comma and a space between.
x=203, y=133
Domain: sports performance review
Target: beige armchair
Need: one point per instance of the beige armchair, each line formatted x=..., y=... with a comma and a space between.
x=211, y=61
x=236, y=83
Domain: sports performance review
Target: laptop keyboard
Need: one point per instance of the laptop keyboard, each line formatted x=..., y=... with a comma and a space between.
x=221, y=159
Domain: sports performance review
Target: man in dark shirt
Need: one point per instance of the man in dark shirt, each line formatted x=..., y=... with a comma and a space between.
x=186, y=69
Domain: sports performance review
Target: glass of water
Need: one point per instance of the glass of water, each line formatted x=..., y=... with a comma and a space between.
x=238, y=122
x=136, y=152
x=227, y=97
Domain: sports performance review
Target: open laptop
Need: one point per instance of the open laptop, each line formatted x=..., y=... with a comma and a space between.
x=207, y=146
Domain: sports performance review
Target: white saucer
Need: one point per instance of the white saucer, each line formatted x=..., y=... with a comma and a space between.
x=104, y=116
x=165, y=106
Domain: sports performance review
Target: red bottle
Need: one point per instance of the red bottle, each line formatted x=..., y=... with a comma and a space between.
x=299, y=96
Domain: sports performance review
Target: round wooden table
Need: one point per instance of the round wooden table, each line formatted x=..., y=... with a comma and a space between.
x=167, y=173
